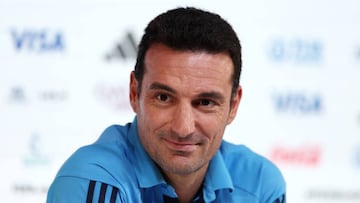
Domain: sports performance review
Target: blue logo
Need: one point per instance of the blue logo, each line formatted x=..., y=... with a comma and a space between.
x=38, y=40
x=297, y=103
x=357, y=157
x=297, y=51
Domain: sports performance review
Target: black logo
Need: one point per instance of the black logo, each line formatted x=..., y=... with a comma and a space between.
x=337, y=194
x=125, y=49
x=17, y=95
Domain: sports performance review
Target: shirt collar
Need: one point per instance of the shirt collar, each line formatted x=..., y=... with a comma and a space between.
x=217, y=177
x=148, y=174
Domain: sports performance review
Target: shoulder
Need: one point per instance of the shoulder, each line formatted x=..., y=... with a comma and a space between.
x=252, y=172
x=240, y=156
x=101, y=170
x=99, y=160
x=72, y=189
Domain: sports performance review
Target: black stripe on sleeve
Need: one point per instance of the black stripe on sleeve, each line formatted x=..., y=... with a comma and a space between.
x=114, y=194
x=102, y=192
x=281, y=199
x=90, y=192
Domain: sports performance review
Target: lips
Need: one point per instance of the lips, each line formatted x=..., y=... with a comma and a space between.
x=181, y=146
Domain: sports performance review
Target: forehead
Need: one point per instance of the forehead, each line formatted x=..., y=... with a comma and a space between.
x=195, y=64
x=188, y=73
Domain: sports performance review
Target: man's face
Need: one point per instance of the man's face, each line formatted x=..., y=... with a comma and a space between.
x=183, y=107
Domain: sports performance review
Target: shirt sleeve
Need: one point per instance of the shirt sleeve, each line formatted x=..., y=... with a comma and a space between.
x=74, y=190
x=273, y=185
x=281, y=199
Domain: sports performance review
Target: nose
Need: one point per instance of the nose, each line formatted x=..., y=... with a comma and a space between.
x=183, y=120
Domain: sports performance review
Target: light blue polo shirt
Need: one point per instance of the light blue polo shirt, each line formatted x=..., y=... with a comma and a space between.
x=116, y=168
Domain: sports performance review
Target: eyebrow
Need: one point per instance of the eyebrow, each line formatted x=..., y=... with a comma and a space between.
x=159, y=86
x=212, y=94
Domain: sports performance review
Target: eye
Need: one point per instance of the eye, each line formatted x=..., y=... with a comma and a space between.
x=204, y=102
x=163, y=97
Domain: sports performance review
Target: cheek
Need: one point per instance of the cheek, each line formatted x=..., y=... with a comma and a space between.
x=214, y=131
x=154, y=117
x=151, y=121
x=215, y=127
x=213, y=145
x=217, y=138
x=213, y=124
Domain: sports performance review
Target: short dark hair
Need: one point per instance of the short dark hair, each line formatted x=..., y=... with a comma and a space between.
x=191, y=29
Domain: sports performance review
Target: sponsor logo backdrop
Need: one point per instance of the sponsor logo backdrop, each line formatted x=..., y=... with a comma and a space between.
x=64, y=74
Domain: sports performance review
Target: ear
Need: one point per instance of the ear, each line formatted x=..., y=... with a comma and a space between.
x=234, y=104
x=134, y=96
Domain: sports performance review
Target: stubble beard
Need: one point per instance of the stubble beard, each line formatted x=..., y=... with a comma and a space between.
x=185, y=163
x=185, y=168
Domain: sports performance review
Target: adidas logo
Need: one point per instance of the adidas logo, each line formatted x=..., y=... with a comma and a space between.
x=17, y=94
x=125, y=49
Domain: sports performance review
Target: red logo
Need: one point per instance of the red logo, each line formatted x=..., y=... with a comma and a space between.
x=304, y=155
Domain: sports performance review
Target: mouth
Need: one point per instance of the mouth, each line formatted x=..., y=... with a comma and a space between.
x=181, y=146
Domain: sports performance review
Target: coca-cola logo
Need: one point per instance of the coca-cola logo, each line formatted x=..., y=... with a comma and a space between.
x=304, y=155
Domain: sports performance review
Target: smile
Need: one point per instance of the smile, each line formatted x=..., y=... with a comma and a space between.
x=181, y=146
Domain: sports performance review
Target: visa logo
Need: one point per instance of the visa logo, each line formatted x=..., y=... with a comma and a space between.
x=298, y=103
x=297, y=50
x=357, y=157
x=38, y=40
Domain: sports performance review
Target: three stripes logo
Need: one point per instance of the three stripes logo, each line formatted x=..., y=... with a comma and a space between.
x=17, y=95
x=103, y=193
x=123, y=50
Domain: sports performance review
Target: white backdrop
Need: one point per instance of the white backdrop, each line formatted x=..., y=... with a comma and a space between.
x=64, y=70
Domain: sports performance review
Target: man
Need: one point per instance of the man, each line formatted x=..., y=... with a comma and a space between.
x=184, y=90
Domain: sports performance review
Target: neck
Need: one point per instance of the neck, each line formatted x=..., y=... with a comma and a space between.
x=186, y=186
